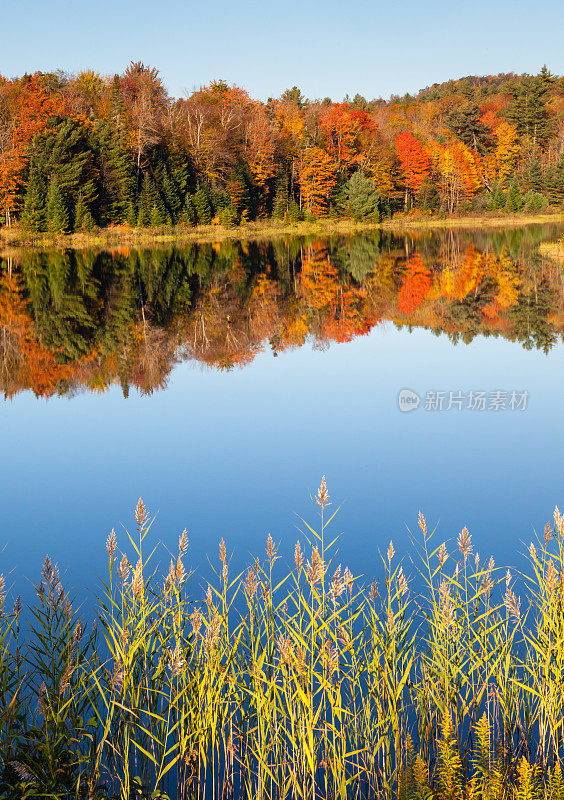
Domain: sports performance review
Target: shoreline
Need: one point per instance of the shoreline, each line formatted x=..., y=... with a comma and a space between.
x=553, y=251
x=14, y=239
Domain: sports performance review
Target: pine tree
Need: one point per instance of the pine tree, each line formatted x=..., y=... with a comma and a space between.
x=534, y=201
x=146, y=202
x=529, y=112
x=120, y=178
x=202, y=204
x=360, y=199
x=555, y=182
x=131, y=216
x=83, y=220
x=535, y=178
x=188, y=215
x=514, y=201
x=465, y=122
x=57, y=217
x=63, y=153
x=280, y=205
x=496, y=198
x=33, y=214
x=156, y=217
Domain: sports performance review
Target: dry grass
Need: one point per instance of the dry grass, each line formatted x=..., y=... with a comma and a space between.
x=299, y=684
x=553, y=250
x=400, y=223
x=13, y=239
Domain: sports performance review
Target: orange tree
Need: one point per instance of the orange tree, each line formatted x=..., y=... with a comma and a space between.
x=317, y=180
x=415, y=162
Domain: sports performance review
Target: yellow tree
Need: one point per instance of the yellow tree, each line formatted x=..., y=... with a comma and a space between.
x=506, y=151
x=317, y=180
x=459, y=169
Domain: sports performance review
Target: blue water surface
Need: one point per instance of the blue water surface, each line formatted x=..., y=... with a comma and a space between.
x=237, y=454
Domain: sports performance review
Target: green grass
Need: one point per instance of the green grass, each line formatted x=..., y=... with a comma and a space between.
x=437, y=681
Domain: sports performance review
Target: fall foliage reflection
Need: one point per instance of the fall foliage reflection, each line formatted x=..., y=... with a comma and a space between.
x=72, y=321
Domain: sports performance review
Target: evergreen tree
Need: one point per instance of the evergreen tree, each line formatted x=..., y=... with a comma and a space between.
x=535, y=177
x=33, y=214
x=280, y=205
x=555, y=182
x=173, y=201
x=146, y=202
x=174, y=182
x=117, y=175
x=534, y=201
x=465, y=122
x=529, y=112
x=188, y=216
x=63, y=154
x=83, y=220
x=514, y=201
x=131, y=216
x=156, y=217
x=56, y=214
x=228, y=216
x=359, y=198
x=202, y=204
x=496, y=198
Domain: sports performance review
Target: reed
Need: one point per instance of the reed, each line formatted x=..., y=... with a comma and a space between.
x=443, y=680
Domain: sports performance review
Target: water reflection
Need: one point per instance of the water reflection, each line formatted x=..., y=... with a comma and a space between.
x=75, y=321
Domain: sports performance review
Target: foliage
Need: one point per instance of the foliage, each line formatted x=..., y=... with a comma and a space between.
x=131, y=154
x=317, y=180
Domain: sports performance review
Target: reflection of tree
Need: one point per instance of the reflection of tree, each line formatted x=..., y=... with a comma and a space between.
x=357, y=256
x=71, y=321
x=416, y=285
x=64, y=306
x=529, y=319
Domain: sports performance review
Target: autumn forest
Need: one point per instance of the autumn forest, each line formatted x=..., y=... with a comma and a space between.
x=85, y=150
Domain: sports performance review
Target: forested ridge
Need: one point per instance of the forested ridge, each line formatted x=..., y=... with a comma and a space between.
x=84, y=151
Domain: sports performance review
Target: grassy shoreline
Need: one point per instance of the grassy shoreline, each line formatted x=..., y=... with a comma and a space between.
x=553, y=250
x=15, y=238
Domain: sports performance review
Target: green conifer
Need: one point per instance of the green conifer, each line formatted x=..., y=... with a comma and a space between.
x=360, y=199
x=83, y=220
x=496, y=198
x=202, y=204
x=33, y=214
x=188, y=214
x=156, y=217
x=131, y=217
x=513, y=201
x=57, y=217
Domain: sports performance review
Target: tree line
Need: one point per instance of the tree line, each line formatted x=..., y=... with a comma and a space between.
x=86, y=150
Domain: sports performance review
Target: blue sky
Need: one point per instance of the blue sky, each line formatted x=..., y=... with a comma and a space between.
x=328, y=48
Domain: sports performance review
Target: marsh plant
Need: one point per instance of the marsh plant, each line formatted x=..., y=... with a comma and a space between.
x=436, y=681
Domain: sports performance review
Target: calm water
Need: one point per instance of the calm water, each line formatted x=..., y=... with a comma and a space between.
x=220, y=383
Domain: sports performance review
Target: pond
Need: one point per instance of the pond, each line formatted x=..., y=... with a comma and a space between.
x=220, y=382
